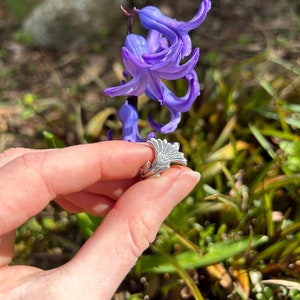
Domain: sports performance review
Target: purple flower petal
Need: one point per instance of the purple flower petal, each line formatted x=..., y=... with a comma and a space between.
x=133, y=64
x=136, y=44
x=152, y=18
x=198, y=19
x=169, y=126
x=176, y=105
x=175, y=72
x=169, y=57
x=129, y=119
x=135, y=87
x=184, y=103
x=154, y=85
x=156, y=42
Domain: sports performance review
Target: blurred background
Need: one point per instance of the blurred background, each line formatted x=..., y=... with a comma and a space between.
x=237, y=235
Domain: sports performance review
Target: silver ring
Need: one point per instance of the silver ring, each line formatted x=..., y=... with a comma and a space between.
x=165, y=154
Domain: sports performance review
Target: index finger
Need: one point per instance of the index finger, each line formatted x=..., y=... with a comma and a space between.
x=30, y=181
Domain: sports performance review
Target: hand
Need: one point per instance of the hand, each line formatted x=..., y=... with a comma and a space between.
x=102, y=179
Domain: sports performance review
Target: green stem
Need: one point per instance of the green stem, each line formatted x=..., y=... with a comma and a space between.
x=182, y=273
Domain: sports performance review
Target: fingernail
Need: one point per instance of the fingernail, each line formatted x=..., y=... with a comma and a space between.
x=189, y=178
x=183, y=185
x=193, y=174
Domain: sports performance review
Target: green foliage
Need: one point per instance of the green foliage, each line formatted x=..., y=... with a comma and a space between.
x=22, y=37
x=87, y=223
x=40, y=240
x=52, y=140
x=20, y=8
x=214, y=253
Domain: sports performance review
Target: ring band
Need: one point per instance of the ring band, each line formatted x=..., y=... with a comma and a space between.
x=165, y=154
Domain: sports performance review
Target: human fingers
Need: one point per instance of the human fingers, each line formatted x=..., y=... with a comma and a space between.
x=94, y=204
x=30, y=181
x=126, y=232
x=7, y=247
x=96, y=200
x=112, y=188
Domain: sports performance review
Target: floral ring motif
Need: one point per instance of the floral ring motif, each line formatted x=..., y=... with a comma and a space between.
x=165, y=154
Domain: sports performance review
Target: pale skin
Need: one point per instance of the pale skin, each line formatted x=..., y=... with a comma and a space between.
x=102, y=179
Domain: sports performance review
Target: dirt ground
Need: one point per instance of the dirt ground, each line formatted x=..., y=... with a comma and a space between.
x=59, y=90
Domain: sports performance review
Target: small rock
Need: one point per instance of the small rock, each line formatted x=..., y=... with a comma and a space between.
x=64, y=23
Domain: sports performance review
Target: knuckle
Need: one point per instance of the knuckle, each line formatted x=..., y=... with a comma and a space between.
x=12, y=153
x=35, y=162
x=32, y=161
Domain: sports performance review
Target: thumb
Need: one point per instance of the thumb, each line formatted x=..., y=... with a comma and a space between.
x=128, y=229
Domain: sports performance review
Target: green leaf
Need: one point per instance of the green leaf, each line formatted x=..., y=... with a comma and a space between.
x=263, y=141
x=52, y=140
x=87, y=223
x=190, y=259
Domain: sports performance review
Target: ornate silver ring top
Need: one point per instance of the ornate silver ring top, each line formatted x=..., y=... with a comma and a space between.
x=165, y=154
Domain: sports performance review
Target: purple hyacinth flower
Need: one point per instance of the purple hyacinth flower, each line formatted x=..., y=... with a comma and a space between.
x=147, y=69
x=149, y=62
x=152, y=19
x=129, y=118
